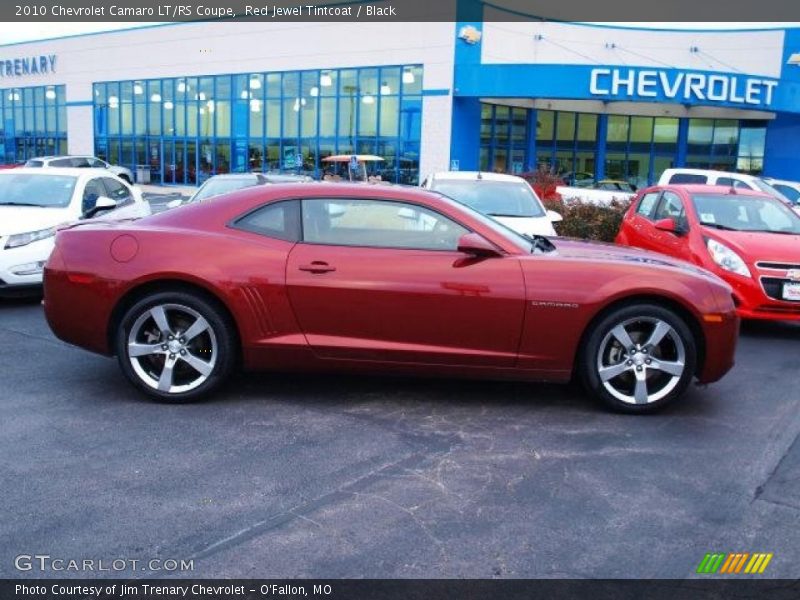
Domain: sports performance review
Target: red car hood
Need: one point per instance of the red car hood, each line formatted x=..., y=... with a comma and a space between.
x=756, y=246
x=600, y=251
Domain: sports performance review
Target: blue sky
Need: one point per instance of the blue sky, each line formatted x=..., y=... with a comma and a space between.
x=21, y=32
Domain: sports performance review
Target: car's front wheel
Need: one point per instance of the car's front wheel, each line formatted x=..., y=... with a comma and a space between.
x=175, y=346
x=639, y=358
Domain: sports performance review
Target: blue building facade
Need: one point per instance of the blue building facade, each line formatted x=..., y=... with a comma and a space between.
x=592, y=101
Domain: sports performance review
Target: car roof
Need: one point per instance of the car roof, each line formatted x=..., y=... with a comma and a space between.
x=709, y=172
x=76, y=171
x=697, y=188
x=234, y=176
x=474, y=176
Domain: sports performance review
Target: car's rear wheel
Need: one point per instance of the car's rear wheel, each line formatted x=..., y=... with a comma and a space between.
x=175, y=346
x=639, y=358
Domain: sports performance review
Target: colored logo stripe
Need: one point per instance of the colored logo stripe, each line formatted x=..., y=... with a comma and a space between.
x=734, y=562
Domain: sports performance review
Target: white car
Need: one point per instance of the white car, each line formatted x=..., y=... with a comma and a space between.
x=506, y=198
x=790, y=189
x=80, y=162
x=34, y=202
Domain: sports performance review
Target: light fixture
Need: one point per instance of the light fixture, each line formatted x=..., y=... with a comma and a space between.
x=202, y=110
x=368, y=99
x=14, y=96
x=201, y=96
x=155, y=97
x=210, y=105
x=385, y=89
x=181, y=86
x=168, y=105
x=245, y=95
x=408, y=76
x=50, y=94
x=113, y=101
x=325, y=80
x=314, y=92
x=296, y=105
x=255, y=105
x=138, y=89
x=255, y=83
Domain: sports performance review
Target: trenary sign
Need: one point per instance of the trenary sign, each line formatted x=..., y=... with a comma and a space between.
x=690, y=87
x=28, y=65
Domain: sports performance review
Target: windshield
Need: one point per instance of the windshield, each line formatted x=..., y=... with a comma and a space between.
x=215, y=187
x=494, y=198
x=745, y=213
x=506, y=232
x=26, y=189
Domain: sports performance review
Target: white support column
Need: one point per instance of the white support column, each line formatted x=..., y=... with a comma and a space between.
x=80, y=118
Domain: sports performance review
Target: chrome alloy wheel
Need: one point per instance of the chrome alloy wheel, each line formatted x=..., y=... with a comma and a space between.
x=641, y=360
x=172, y=348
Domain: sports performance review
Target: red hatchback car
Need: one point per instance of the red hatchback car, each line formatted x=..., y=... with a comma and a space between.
x=380, y=278
x=748, y=238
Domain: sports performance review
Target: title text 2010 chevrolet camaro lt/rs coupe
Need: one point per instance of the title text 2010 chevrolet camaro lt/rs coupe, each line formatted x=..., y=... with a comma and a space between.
x=385, y=279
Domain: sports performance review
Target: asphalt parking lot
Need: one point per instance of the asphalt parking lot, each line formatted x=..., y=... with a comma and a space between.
x=311, y=476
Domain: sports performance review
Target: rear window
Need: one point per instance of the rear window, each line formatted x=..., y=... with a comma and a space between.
x=688, y=178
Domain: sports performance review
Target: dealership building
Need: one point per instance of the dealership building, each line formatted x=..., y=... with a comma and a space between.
x=180, y=102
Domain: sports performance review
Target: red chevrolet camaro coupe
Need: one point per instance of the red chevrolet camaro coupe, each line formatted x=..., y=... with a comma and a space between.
x=748, y=238
x=381, y=279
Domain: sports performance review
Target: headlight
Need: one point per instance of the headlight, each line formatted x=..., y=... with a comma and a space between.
x=23, y=239
x=727, y=258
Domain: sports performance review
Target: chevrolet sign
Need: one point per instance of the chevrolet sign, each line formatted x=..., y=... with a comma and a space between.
x=683, y=87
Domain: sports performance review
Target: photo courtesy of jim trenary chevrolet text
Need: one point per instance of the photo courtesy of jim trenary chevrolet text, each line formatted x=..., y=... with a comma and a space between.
x=390, y=299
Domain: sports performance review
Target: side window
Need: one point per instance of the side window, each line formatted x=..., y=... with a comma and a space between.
x=647, y=204
x=688, y=178
x=97, y=163
x=93, y=190
x=279, y=220
x=742, y=185
x=61, y=162
x=117, y=191
x=80, y=162
x=671, y=207
x=726, y=181
x=378, y=223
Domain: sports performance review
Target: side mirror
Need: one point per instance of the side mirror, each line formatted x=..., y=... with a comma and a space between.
x=554, y=216
x=102, y=204
x=671, y=225
x=475, y=245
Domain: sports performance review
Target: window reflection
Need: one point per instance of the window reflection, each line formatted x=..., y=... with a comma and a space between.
x=190, y=128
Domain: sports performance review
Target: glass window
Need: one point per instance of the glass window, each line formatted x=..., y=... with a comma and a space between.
x=279, y=220
x=117, y=191
x=94, y=189
x=670, y=207
x=647, y=204
x=493, y=198
x=376, y=223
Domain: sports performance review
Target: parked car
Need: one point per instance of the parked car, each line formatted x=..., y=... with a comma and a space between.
x=301, y=277
x=577, y=179
x=11, y=166
x=80, y=162
x=724, y=178
x=748, y=238
x=222, y=184
x=614, y=185
x=506, y=198
x=34, y=202
x=790, y=189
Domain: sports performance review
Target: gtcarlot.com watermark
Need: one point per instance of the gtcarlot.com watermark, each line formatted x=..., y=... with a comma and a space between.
x=45, y=563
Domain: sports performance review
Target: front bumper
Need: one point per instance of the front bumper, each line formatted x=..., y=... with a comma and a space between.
x=760, y=297
x=22, y=267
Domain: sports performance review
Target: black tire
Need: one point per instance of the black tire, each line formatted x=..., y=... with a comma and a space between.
x=218, y=343
x=603, y=349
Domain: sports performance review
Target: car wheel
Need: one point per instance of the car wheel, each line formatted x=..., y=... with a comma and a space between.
x=175, y=346
x=639, y=358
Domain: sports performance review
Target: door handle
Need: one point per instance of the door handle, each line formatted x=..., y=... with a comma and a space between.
x=317, y=267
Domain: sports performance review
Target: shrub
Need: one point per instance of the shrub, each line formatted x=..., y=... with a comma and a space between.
x=589, y=221
x=544, y=182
